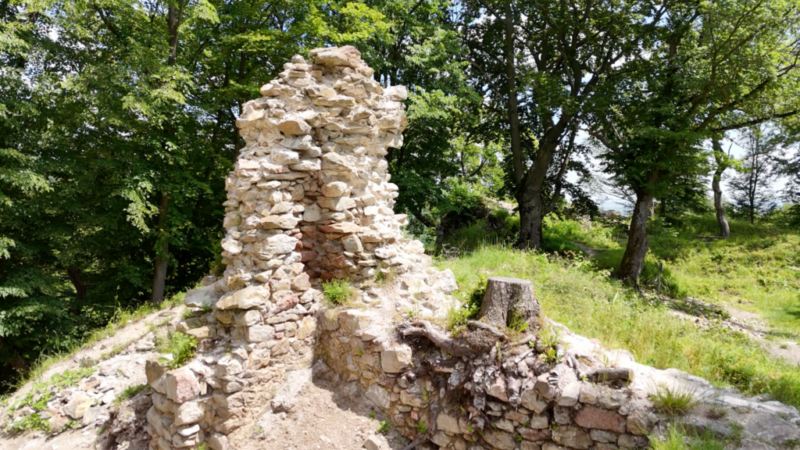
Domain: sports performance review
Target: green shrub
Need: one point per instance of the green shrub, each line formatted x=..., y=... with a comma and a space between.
x=338, y=292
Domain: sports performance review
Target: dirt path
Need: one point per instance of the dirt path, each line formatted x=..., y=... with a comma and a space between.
x=590, y=252
x=326, y=414
x=788, y=349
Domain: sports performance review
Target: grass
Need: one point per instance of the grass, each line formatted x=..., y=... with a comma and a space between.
x=383, y=427
x=130, y=392
x=459, y=315
x=338, y=292
x=385, y=277
x=181, y=346
x=673, y=402
x=678, y=440
x=588, y=301
x=755, y=270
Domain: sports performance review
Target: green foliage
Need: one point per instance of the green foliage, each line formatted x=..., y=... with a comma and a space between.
x=102, y=123
x=181, y=346
x=517, y=323
x=338, y=292
x=678, y=440
x=673, y=401
x=559, y=232
x=458, y=316
x=383, y=427
x=421, y=427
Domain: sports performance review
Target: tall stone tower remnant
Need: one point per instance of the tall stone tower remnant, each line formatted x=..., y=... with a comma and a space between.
x=309, y=199
x=311, y=185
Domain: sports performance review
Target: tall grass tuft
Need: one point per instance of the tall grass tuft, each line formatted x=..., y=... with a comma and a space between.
x=673, y=401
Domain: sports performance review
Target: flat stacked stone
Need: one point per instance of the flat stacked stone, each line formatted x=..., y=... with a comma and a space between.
x=309, y=199
x=311, y=184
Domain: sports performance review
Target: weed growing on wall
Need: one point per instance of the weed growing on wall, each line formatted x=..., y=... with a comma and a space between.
x=338, y=292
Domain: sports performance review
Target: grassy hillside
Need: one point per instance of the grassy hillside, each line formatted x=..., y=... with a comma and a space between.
x=580, y=293
x=757, y=269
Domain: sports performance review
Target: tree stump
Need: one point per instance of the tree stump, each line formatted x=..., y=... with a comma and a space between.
x=507, y=300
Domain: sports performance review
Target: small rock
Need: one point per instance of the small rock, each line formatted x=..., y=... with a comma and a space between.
x=78, y=404
x=372, y=443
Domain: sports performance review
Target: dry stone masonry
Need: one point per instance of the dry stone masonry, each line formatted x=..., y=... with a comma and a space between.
x=310, y=200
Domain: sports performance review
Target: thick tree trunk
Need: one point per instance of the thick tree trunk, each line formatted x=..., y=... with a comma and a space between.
x=531, y=214
x=162, y=254
x=633, y=259
x=509, y=301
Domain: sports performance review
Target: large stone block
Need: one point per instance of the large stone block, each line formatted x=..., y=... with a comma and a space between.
x=347, y=56
x=500, y=440
x=395, y=360
x=293, y=126
x=247, y=298
x=572, y=437
x=600, y=419
x=189, y=412
x=379, y=396
x=204, y=297
x=181, y=385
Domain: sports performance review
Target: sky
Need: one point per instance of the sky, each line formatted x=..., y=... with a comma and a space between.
x=609, y=201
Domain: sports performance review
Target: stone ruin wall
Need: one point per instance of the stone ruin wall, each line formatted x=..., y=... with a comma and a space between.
x=310, y=199
x=523, y=404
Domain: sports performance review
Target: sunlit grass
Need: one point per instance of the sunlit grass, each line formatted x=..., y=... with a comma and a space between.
x=757, y=269
x=591, y=303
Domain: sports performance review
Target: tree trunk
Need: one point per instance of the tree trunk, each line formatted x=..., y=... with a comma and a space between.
x=162, y=254
x=513, y=108
x=633, y=259
x=75, y=277
x=509, y=302
x=531, y=214
x=719, y=207
x=174, y=17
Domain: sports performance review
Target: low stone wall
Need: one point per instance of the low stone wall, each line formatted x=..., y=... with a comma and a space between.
x=524, y=402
